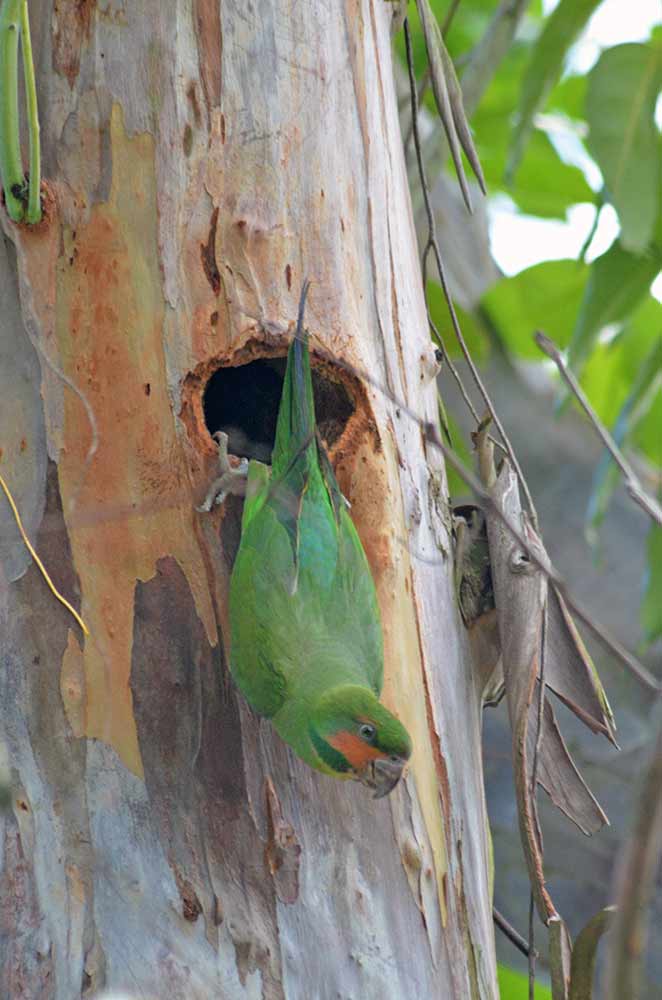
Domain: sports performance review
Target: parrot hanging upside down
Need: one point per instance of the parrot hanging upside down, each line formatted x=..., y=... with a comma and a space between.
x=306, y=639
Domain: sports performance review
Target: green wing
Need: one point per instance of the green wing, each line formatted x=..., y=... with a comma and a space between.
x=252, y=612
x=325, y=631
x=303, y=610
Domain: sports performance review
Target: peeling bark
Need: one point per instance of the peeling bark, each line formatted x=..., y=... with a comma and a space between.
x=204, y=159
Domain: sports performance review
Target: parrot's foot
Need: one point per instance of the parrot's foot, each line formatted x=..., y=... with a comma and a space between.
x=232, y=480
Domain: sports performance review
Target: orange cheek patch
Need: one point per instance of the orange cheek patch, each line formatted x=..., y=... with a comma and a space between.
x=354, y=749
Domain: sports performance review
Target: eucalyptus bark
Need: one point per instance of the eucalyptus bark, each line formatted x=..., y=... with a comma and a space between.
x=202, y=159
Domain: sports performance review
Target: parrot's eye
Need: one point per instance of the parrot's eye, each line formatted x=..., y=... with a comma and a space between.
x=367, y=731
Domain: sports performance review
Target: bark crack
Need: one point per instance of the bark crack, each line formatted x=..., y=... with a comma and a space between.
x=208, y=255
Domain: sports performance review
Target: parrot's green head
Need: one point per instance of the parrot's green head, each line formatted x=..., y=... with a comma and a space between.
x=356, y=737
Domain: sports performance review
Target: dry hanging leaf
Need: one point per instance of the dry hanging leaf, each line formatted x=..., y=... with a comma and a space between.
x=448, y=97
x=528, y=632
x=570, y=673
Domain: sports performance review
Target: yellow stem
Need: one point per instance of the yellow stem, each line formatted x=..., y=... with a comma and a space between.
x=28, y=545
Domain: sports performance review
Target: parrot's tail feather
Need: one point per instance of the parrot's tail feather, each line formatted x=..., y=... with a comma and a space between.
x=295, y=430
x=302, y=306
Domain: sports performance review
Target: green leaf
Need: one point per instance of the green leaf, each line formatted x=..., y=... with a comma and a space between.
x=545, y=64
x=623, y=88
x=515, y=986
x=618, y=282
x=544, y=185
x=546, y=296
x=569, y=96
x=651, y=608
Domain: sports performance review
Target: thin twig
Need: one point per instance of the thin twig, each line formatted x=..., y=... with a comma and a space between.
x=513, y=935
x=632, y=483
x=541, y=713
x=31, y=327
x=422, y=90
x=432, y=244
x=458, y=378
x=534, y=793
x=453, y=370
x=42, y=568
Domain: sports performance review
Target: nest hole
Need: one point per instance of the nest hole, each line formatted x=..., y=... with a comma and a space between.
x=243, y=401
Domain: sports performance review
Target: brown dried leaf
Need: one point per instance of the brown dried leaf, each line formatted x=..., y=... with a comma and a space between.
x=570, y=673
x=460, y=117
x=558, y=775
x=521, y=594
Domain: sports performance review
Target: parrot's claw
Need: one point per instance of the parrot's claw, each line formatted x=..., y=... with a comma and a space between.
x=232, y=480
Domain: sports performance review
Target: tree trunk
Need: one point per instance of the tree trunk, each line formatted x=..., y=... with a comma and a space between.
x=203, y=159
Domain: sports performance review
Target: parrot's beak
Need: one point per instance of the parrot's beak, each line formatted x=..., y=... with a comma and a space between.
x=383, y=774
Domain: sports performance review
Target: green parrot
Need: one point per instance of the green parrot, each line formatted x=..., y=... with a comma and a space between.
x=306, y=638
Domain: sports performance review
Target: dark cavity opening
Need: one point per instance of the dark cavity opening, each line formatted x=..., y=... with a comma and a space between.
x=243, y=401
